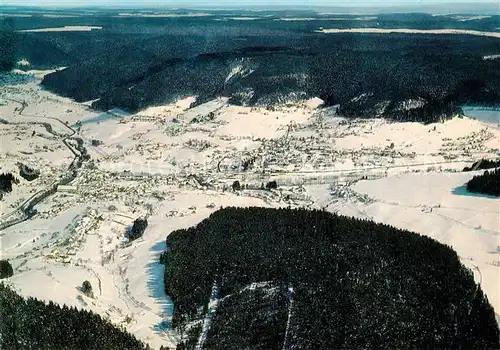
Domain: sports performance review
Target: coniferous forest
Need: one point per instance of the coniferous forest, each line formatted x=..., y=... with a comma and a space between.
x=7, y=45
x=487, y=183
x=6, y=181
x=315, y=280
x=30, y=324
x=399, y=76
x=260, y=278
x=6, y=269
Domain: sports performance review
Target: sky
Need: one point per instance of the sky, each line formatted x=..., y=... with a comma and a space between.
x=233, y=3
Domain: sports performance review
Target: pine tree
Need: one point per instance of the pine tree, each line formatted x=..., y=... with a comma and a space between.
x=6, y=270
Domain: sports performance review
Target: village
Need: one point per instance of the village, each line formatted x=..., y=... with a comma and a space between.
x=176, y=164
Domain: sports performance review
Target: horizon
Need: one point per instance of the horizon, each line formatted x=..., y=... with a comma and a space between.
x=225, y=4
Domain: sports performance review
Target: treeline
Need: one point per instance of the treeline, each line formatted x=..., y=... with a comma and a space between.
x=32, y=324
x=354, y=284
x=488, y=183
x=484, y=164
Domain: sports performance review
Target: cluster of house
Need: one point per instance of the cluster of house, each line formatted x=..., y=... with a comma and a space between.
x=466, y=145
x=66, y=250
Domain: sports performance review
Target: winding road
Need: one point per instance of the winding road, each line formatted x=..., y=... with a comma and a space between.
x=27, y=209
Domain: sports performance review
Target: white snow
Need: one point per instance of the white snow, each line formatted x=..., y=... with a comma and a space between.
x=411, y=31
x=491, y=57
x=437, y=205
x=164, y=15
x=62, y=29
x=314, y=103
x=207, y=320
x=239, y=70
x=411, y=104
x=300, y=19
x=23, y=62
x=176, y=173
x=290, y=308
x=470, y=18
x=244, y=18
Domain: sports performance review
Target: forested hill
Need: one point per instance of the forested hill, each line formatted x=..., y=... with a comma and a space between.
x=398, y=76
x=487, y=183
x=7, y=45
x=268, y=58
x=30, y=324
x=259, y=278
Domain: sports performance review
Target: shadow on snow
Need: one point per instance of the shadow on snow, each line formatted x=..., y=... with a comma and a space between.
x=462, y=191
x=156, y=284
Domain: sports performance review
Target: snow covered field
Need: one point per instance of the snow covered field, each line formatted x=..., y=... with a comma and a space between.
x=175, y=166
x=61, y=29
x=164, y=15
x=412, y=31
x=438, y=206
x=299, y=19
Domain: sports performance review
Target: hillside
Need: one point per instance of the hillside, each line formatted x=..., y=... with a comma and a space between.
x=397, y=76
x=32, y=324
x=268, y=58
x=245, y=109
x=484, y=164
x=7, y=45
x=487, y=183
x=266, y=278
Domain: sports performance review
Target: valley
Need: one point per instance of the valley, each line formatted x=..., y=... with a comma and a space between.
x=161, y=165
x=235, y=150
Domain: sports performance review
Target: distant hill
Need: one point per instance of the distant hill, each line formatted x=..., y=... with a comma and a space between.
x=136, y=61
x=443, y=8
x=7, y=45
x=296, y=7
x=260, y=278
x=403, y=77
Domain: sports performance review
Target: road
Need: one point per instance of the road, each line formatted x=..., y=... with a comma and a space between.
x=27, y=209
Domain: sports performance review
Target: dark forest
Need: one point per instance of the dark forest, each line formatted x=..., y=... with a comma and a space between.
x=411, y=77
x=30, y=324
x=487, y=183
x=356, y=284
